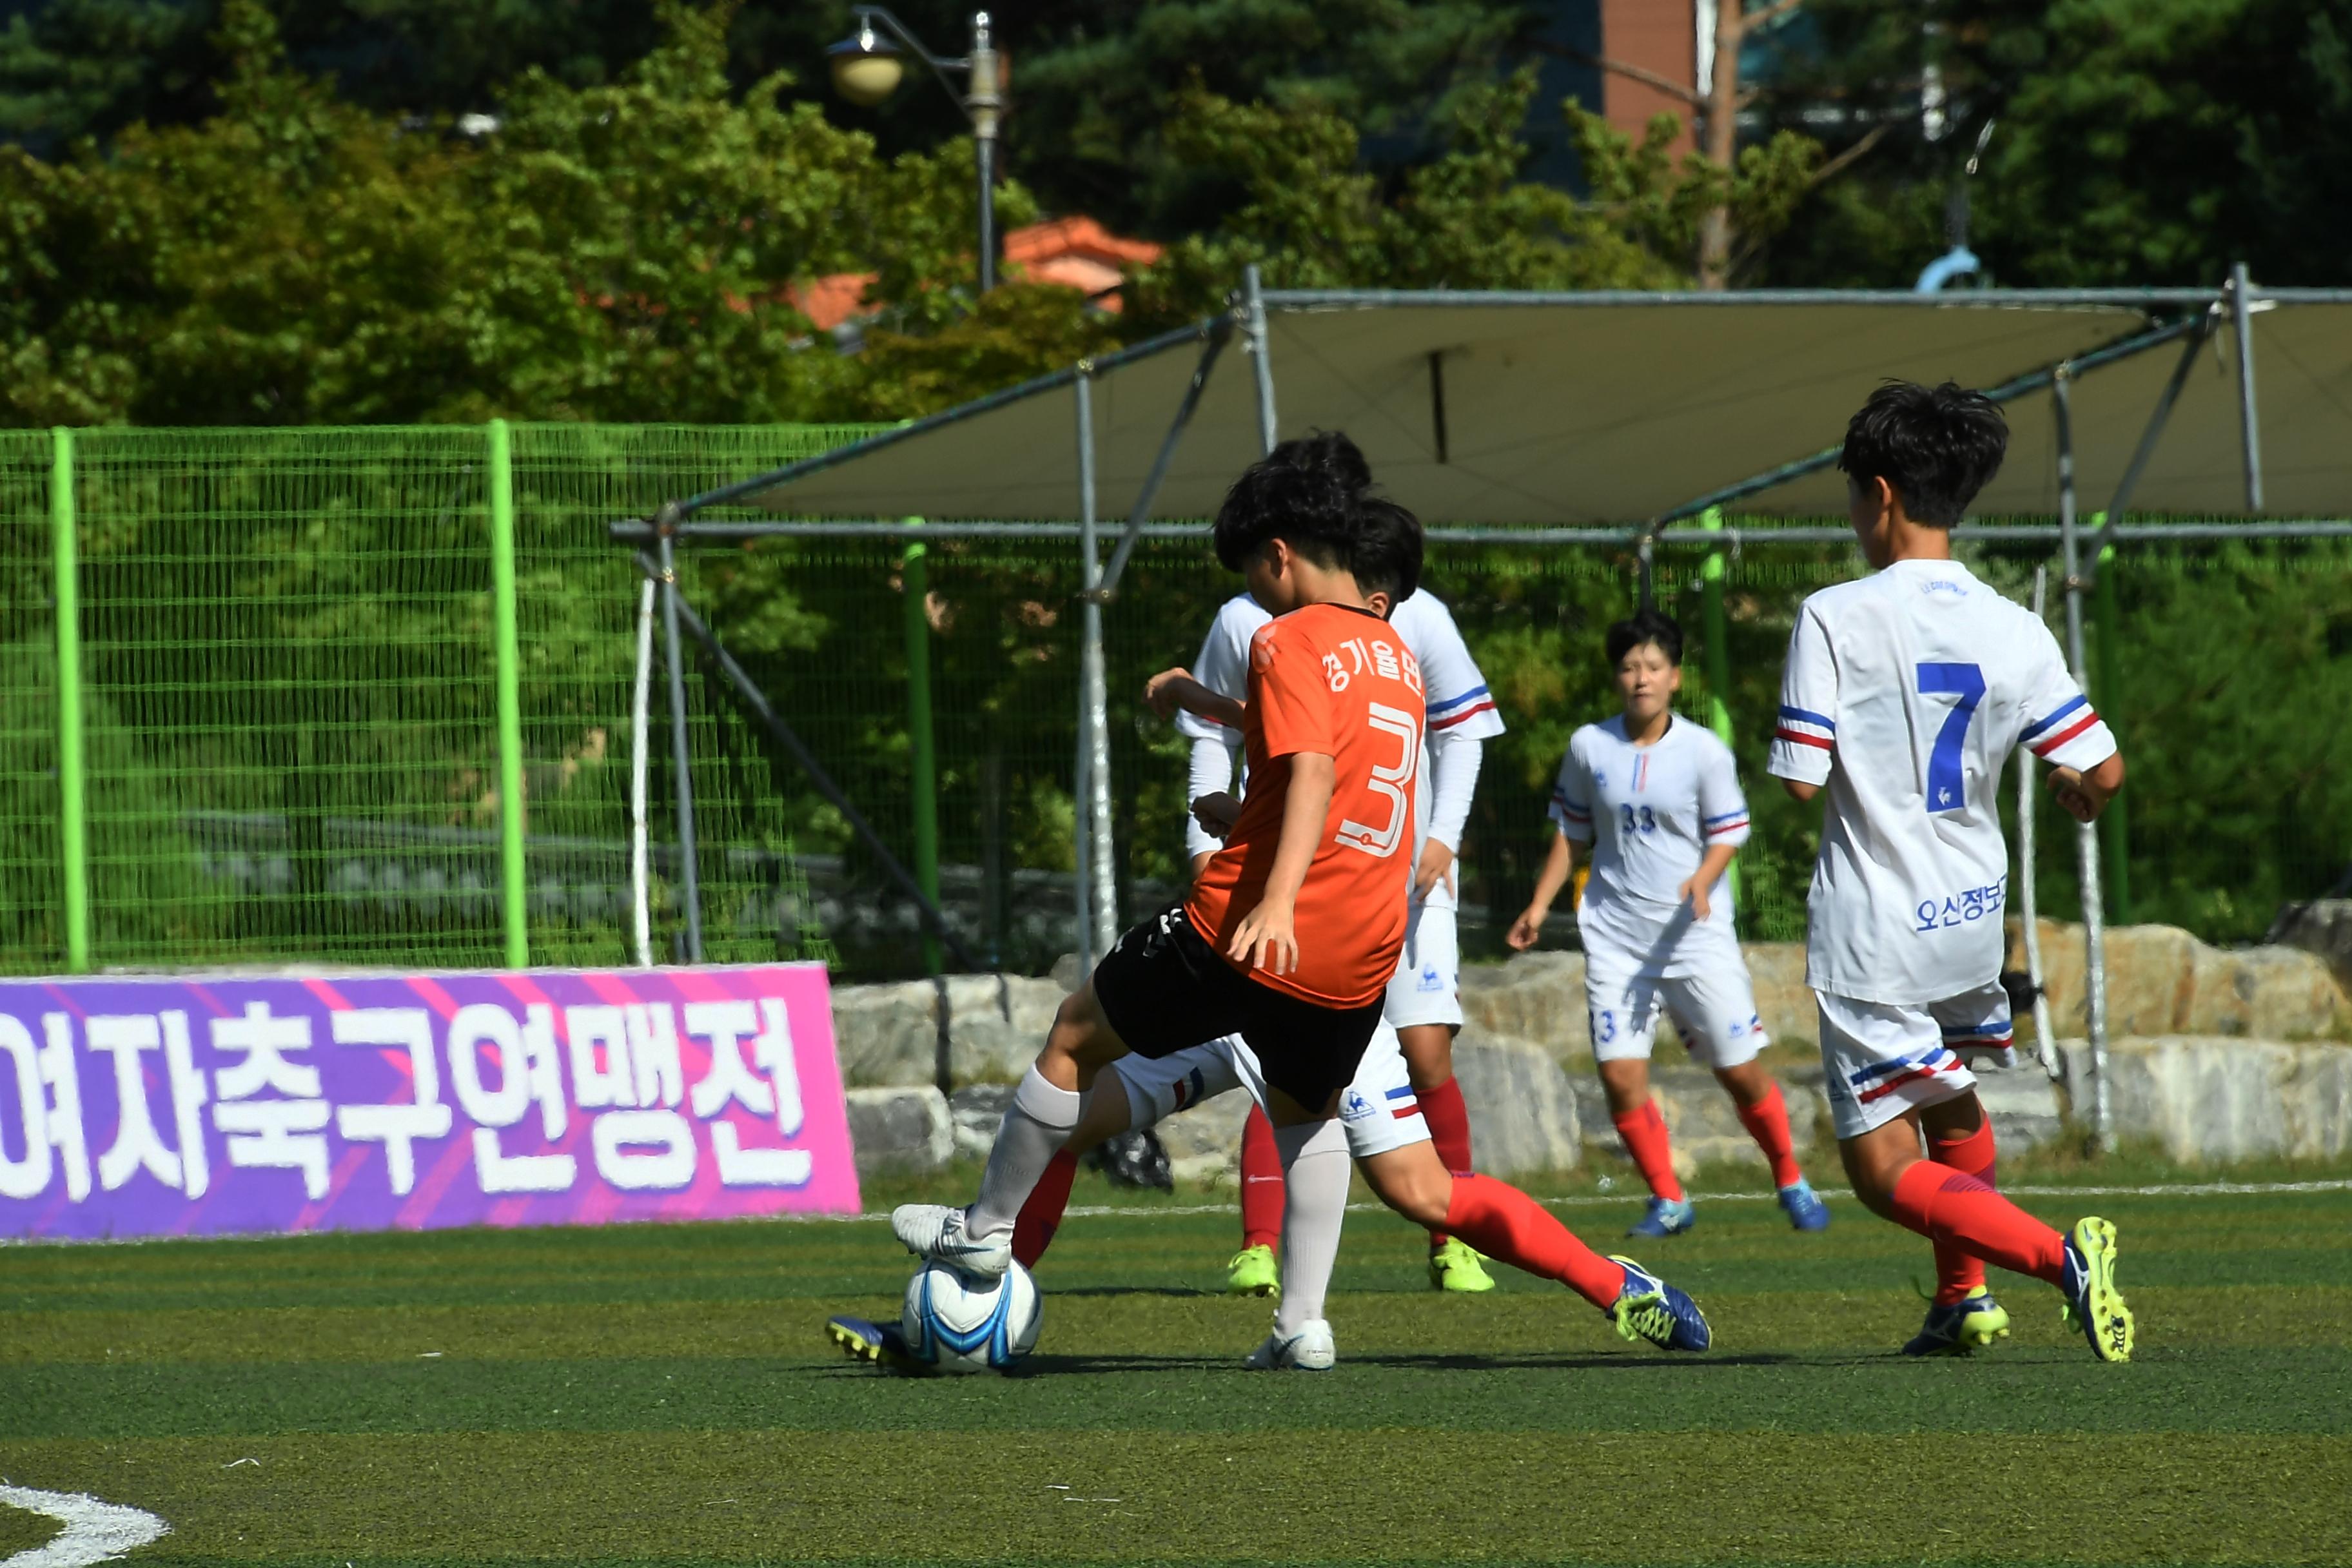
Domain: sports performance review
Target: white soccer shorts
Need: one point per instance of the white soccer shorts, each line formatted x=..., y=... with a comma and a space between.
x=1427, y=985
x=1714, y=1010
x=1378, y=1108
x=1879, y=1059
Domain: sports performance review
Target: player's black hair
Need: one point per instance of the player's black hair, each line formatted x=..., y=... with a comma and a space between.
x=1388, y=551
x=1645, y=626
x=1303, y=492
x=1937, y=447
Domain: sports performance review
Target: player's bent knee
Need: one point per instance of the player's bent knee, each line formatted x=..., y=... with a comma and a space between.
x=1412, y=1181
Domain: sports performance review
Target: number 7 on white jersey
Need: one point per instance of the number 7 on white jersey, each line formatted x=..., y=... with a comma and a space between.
x=1388, y=780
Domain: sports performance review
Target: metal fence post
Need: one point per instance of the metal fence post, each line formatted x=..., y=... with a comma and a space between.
x=923, y=779
x=2249, y=430
x=1094, y=694
x=1718, y=656
x=1253, y=331
x=73, y=783
x=2114, y=823
x=2086, y=836
x=512, y=876
x=2045, y=1037
x=681, y=751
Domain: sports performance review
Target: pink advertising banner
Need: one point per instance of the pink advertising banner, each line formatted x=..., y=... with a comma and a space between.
x=159, y=1106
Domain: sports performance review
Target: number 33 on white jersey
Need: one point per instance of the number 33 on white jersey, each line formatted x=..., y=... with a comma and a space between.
x=1905, y=694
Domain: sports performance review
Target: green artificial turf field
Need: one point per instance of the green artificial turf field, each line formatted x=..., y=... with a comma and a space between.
x=662, y=1394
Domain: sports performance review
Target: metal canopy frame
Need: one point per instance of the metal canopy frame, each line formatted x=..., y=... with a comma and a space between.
x=2192, y=317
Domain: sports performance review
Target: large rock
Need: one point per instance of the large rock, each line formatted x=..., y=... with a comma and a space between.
x=900, y=1130
x=2213, y=1100
x=2323, y=927
x=1204, y=1142
x=1703, y=1124
x=889, y=1035
x=1523, y=1117
x=2163, y=981
x=1537, y=998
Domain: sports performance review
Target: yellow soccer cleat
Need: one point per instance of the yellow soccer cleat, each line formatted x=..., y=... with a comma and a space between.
x=1963, y=1328
x=1252, y=1273
x=2093, y=1303
x=1457, y=1267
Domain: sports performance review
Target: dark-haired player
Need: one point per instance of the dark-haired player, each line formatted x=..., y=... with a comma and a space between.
x=1423, y=999
x=1904, y=693
x=1658, y=799
x=1287, y=939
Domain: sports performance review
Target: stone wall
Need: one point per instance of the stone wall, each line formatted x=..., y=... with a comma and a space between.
x=2219, y=1056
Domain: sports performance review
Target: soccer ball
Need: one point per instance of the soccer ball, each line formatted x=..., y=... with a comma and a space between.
x=957, y=1323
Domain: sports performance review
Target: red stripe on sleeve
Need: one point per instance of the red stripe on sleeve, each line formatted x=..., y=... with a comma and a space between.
x=1801, y=739
x=2043, y=747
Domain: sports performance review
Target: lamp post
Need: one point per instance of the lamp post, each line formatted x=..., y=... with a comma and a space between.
x=867, y=69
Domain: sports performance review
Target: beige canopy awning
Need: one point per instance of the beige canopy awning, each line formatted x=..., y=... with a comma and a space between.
x=1614, y=408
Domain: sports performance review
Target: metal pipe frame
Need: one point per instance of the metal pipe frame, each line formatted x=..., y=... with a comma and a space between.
x=637, y=532
x=681, y=753
x=1099, y=892
x=1973, y=298
x=2087, y=836
x=1033, y=387
x=681, y=614
x=1138, y=515
x=2249, y=433
x=2045, y=1036
x=1254, y=322
x=2009, y=391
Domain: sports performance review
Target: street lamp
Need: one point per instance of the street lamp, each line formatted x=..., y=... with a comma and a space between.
x=867, y=69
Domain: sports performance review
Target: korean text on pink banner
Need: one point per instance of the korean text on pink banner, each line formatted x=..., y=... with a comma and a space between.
x=158, y=1106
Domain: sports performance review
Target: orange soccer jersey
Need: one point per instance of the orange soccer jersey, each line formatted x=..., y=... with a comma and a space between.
x=1338, y=681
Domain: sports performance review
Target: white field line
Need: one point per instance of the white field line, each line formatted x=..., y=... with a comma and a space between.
x=1633, y=1194
x=94, y=1532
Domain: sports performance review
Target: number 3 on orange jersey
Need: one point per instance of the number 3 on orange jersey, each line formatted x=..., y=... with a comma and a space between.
x=1388, y=780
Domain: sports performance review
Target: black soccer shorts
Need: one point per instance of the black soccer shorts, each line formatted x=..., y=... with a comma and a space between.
x=1165, y=991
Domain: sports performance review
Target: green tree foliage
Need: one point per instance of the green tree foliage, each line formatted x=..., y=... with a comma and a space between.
x=2134, y=141
x=611, y=253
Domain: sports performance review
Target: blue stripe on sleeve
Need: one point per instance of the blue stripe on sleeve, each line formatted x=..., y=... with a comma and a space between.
x=1457, y=702
x=1802, y=717
x=2032, y=729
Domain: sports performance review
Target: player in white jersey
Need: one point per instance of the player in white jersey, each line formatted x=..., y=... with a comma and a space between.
x=1904, y=693
x=1658, y=799
x=1422, y=1002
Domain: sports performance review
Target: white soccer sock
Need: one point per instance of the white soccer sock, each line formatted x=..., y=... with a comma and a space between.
x=1037, y=1124
x=1315, y=1170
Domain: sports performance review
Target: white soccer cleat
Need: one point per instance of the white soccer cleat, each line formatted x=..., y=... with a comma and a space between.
x=1308, y=1350
x=936, y=1232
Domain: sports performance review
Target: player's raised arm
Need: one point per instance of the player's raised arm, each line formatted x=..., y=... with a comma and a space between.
x=2086, y=768
x=1804, y=741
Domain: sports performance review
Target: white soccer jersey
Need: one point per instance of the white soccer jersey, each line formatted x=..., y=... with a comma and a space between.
x=1905, y=694
x=1651, y=814
x=1460, y=707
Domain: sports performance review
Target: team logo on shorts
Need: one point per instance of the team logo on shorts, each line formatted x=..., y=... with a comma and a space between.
x=1354, y=1107
x=1430, y=978
x=1190, y=1087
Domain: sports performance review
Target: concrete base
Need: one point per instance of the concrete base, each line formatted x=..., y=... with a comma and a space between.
x=2214, y=1101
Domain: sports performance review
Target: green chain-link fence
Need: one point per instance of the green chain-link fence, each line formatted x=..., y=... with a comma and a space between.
x=290, y=675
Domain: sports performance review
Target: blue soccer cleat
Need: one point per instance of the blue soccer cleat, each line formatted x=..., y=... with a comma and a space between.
x=1647, y=1308
x=1804, y=1206
x=1961, y=1328
x=2093, y=1303
x=881, y=1345
x=1665, y=1216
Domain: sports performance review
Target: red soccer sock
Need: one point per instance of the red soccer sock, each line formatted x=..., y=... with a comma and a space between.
x=1262, y=1188
x=1952, y=1207
x=1503, y=1222
x=1959, y=1272
x=1449, y=1129
x=1644, y=1131
x=1767, y=1121
x=1041, y=1216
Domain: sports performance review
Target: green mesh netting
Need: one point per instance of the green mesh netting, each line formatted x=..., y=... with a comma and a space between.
x=289, y=690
